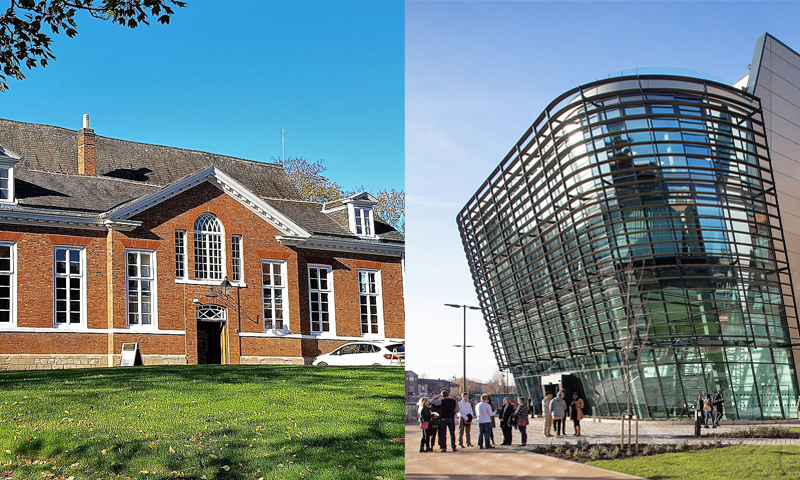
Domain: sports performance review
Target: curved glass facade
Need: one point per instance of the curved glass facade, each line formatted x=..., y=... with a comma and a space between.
x=645, y=200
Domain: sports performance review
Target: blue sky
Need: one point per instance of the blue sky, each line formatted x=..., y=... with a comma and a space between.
x=479, y=73
x=225, y=78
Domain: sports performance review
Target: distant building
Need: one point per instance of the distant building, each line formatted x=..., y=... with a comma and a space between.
x=105, y=241
x=412, y=388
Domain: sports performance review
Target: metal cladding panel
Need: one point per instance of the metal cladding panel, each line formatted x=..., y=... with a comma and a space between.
x=777, y=83
x=643, y=202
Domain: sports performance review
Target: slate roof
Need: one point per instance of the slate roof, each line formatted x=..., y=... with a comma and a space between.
x=47, y=178
x=309, y=215
x=75, y=192
x=54, y=149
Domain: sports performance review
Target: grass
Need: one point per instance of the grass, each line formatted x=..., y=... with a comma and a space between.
x=204, y=422
x=752, y=462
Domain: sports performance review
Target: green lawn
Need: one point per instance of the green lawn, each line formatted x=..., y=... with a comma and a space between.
x=738, y=462
x=214, y=422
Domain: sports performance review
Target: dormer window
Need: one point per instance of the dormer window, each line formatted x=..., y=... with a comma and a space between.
x=359, y=212
x=8, y=160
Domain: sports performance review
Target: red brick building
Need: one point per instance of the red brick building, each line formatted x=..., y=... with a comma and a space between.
x=105, y=241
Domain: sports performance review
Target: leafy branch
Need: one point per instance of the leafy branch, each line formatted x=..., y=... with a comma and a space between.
x=26, y=26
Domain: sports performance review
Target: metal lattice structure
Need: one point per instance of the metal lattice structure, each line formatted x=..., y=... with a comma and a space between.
x=661, y=178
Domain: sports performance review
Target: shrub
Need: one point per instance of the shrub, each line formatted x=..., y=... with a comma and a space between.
x=614, y=452
x=594, y=453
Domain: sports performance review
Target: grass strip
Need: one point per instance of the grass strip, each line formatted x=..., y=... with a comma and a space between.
x=752, y=462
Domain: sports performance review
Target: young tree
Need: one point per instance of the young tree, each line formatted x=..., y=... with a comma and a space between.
x=26, y=24
x=635, y=333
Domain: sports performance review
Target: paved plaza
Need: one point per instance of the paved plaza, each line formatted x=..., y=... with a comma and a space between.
x=516, y=461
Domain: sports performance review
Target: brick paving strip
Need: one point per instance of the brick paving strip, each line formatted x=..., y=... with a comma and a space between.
x=515, y=461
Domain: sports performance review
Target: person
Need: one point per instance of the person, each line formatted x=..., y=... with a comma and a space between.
x=576, y=413
x=447, y=413
x=494, y=411
x=466, y=413
x=522, y=420
x=547, y=414
x=718, y=407
x=559, y=408
x=484, y=416
x=433, y=426
x=707, y=408
x=531, y=410
x=505, y=414
x=425, y=417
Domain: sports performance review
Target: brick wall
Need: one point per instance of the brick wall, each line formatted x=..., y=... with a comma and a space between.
x=175, y=308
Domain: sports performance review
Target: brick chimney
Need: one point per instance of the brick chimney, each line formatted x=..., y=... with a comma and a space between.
x=86, y=153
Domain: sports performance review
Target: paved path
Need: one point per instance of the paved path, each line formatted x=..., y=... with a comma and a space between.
x=518, y=462
x=501, y=462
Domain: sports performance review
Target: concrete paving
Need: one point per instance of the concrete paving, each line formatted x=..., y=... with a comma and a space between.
x=503, y=462
x=515, y=461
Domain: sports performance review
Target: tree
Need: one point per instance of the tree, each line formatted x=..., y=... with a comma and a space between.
x=635, y=332
x=307, y=177
x=501, y=382
x=315, y=187
x=26, y=25
x=392, y=208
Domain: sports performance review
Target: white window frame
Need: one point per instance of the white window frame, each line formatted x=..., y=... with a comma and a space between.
x=183, y=256
x=365, y=220
x=204, y=238
x=331, y=304
x=237, y=243
x=81, y=325
x=12, y=317
x=285, y=295
x=153, y=291
x=220, y=313
x=378, y=300
x=365, y=214
x=10, y=184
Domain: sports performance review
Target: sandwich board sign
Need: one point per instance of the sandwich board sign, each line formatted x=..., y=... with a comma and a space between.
x=130, y=355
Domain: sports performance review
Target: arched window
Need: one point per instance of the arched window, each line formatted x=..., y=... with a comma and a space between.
x=207, y=248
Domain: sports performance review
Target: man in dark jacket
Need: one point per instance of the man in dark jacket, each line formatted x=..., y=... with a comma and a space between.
x=717, y=402
x=447, y=414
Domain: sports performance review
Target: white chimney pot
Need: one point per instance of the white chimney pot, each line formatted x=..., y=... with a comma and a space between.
x=86, y=120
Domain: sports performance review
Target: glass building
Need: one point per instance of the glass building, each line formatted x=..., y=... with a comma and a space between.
x=635, y=227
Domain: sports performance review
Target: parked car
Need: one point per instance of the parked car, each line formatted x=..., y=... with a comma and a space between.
x=365, y=354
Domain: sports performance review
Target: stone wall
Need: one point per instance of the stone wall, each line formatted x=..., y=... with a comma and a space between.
x=60, y=362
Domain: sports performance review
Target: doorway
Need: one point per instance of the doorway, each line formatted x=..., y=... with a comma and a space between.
x=211, y=342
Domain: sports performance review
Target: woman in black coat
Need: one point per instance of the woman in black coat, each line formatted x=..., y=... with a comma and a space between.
x=425, y=416
x=505, y=412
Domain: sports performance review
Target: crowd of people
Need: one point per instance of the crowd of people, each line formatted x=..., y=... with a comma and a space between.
x=438, y=415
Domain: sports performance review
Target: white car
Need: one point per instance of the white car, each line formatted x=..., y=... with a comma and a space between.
x=365, y=354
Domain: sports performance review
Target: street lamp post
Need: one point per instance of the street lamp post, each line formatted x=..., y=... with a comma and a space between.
x=464, y=307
